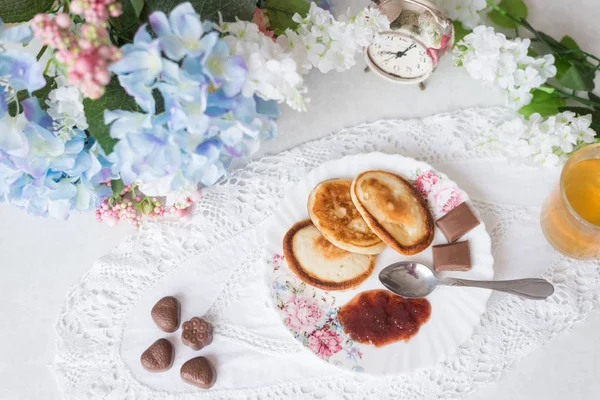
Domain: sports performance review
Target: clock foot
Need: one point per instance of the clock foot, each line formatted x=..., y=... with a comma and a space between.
x=367, y=69
x=421, y=86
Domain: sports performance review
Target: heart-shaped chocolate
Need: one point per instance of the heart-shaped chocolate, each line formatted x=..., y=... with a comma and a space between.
x=159, y=356
x=165, y=314
x=199, y=372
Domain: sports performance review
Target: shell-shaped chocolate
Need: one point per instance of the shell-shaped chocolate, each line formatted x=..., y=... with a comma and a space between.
x=165, y=314
x=199, y=372
x=196, y=333
x=159, y=356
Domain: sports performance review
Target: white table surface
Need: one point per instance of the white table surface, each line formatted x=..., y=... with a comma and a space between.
x=40, y=259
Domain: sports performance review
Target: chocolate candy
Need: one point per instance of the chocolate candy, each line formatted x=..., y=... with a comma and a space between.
x=199, y=372
x=197, y=333
x=159, y=356
x=165, y=314
x=457, y=222
x=452, y=257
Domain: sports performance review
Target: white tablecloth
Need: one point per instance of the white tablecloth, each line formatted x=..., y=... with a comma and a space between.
x=41, y=259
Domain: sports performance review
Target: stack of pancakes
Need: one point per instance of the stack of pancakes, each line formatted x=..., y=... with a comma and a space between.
x=353, y=221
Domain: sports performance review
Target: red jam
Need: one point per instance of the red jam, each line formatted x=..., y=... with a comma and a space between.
x=380, y=317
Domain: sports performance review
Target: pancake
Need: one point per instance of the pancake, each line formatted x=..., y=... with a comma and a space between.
x=319, y=263
x=394, y=210
x=331, y=209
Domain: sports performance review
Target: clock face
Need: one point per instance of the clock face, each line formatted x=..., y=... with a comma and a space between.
x=400, y=55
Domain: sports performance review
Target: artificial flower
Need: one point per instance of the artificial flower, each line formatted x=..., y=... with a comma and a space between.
x=546, y=141
x=65, y=107
x=465, y=11
x=48, y=174
x=271, y=71
x=491, y=57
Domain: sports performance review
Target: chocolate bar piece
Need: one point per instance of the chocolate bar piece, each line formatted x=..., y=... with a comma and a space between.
x=457, y=222
x=452, y=257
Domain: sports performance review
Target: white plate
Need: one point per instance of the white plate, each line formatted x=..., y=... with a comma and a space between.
x=311, y=314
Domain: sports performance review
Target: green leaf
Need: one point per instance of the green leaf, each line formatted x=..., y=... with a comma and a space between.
x=549, y=40
x=543, y=103
x=116, y=185
x=562, y=65
x=128, y=22
x=459, y=31
x=280, y=12
x=568, y=42
x=138, y=6
x=516, y=8
x=22, y=10
x=115, y=98
x=208, y=9
x=578, y=77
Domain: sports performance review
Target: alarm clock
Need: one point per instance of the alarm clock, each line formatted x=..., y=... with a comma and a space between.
x=409, y=52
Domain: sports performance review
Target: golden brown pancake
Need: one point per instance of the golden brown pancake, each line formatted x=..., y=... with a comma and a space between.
x=321, y=264
x=394, y=210
x=331, y=209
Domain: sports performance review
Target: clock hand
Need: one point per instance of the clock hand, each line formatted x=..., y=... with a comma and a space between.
x=402, y=53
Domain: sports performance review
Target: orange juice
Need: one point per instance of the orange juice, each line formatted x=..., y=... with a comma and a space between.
x=582, y=188
x=571, y=214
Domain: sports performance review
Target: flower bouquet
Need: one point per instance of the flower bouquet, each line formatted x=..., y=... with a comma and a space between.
x=132, y=106
x=553, y=92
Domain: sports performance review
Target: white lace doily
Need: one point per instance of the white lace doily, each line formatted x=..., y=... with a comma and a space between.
x=214, y=266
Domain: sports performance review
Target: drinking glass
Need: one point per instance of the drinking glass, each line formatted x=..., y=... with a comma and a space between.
x=571, y=214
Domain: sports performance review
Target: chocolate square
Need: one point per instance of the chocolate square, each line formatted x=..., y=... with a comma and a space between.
x=452, y=257
x=457, y=222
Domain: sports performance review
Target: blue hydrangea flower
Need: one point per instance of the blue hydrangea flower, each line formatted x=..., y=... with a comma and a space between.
x=224, y=71
x=139, y=68
x=182, y=33
x=48, y=175
x=20, y=69
x=207, y=122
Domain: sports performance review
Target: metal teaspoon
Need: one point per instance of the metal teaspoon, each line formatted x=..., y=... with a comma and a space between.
x=413, y=280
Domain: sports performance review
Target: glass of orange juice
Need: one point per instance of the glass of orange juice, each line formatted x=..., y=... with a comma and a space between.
x=571, y=214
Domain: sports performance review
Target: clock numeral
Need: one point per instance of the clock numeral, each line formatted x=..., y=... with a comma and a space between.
x=396, y=68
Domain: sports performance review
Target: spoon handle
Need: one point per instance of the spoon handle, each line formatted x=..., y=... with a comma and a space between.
x=531, y=288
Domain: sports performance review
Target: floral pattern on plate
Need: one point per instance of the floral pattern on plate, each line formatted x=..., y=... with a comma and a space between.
x=441, y=194
x=311, y=313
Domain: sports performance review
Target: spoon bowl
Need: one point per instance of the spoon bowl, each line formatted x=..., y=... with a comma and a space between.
x=414, y=280
x=408, y=279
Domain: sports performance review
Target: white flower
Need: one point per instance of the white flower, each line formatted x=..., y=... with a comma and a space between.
x=528, y=78
x=541, y=141
x=328, y=44
x=490, y=57
x=367, y=24
x=465, y=11
x=65, y=107
x=272, y=70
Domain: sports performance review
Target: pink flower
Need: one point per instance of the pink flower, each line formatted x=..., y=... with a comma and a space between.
x=96, y=11
x=302, y=314
x=447, y=197
x=324, y=342
x=86, y=56
x=425, y=182
x=261, y=19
